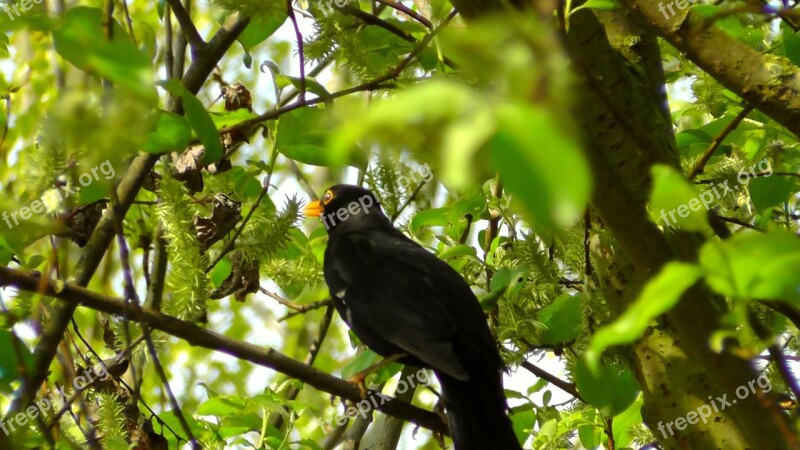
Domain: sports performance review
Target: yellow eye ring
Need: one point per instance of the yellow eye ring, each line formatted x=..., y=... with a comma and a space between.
x=327, y=197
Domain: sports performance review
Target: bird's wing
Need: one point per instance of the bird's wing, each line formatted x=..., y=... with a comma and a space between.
x=398, y=291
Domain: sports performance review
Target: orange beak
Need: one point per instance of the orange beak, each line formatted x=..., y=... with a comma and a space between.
x=314, y=209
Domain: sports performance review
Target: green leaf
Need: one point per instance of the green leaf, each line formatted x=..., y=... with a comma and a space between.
x=754, y=266
x=173, y=132
x=766, y=192
x=693, y=143
x=426, y=107
x=14, y=350
x=171, y=420
x=95, y=191
x=5, y=252
x=34, y=261
x=385, y=373
x=302, y=136
x=312, y=85
x=625, y=423
x=458, y=250
x=611, y=388
x=463, y=140
x=473, y=203
x=660, y=294
x=732, y=25
x=201, y=121
x=675, y=202
x=591, y=435
x=222, y=406
x=81, y=41
x=505, y=281
x=237, y=424
x=362, y=361
x=227, y=119
x=269, y=401
x=428, y=218
x=562, y=319
x=259, y=29
x=791, y=44
x=221, y=271
x=523, y=422
x=247, y=186
x=531, y=152
x=380, y=48
x=602, y=5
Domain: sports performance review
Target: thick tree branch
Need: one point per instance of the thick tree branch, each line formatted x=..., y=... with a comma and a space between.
x=768, y=82
x=621, y=157
x=76, y=295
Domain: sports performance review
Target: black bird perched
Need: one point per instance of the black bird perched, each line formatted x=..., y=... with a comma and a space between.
x=399, y=298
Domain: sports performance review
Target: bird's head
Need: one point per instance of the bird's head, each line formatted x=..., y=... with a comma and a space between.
x=345, y=203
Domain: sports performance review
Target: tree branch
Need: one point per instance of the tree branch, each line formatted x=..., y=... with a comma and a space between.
x=75, y=295
x=768, y=82
x=701, y=163
x=196, y=42
x=569, y=388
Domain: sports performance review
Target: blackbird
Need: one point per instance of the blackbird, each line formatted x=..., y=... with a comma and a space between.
x=400, y=299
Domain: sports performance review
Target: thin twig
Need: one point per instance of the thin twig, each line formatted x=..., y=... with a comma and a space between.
x=306, y=308
x=264, y=189
x=739, y=222
x=701, y=163
x=169, y=42
x=196, y=41
x=569, y=388
x=132, y=299
x=408, y=11
x=491, y=230
x=67, y=403
x=128, y=21
x=377, y=83
x=7, y=98
x=285, y=302
x=408, y=201
x=300, y=53
x=782, y=364
x=313, y=351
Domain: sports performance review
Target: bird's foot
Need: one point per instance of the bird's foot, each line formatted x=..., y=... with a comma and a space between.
x=358, y=380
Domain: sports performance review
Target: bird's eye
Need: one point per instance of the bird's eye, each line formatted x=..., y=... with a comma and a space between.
x=327, y=197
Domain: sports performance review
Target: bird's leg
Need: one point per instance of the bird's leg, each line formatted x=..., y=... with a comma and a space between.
x=438, y=408
x=358, y=378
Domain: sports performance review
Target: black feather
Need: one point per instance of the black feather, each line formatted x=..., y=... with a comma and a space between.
x=399, y=298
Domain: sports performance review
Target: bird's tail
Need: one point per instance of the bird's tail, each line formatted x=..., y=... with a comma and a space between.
x=476, y=411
